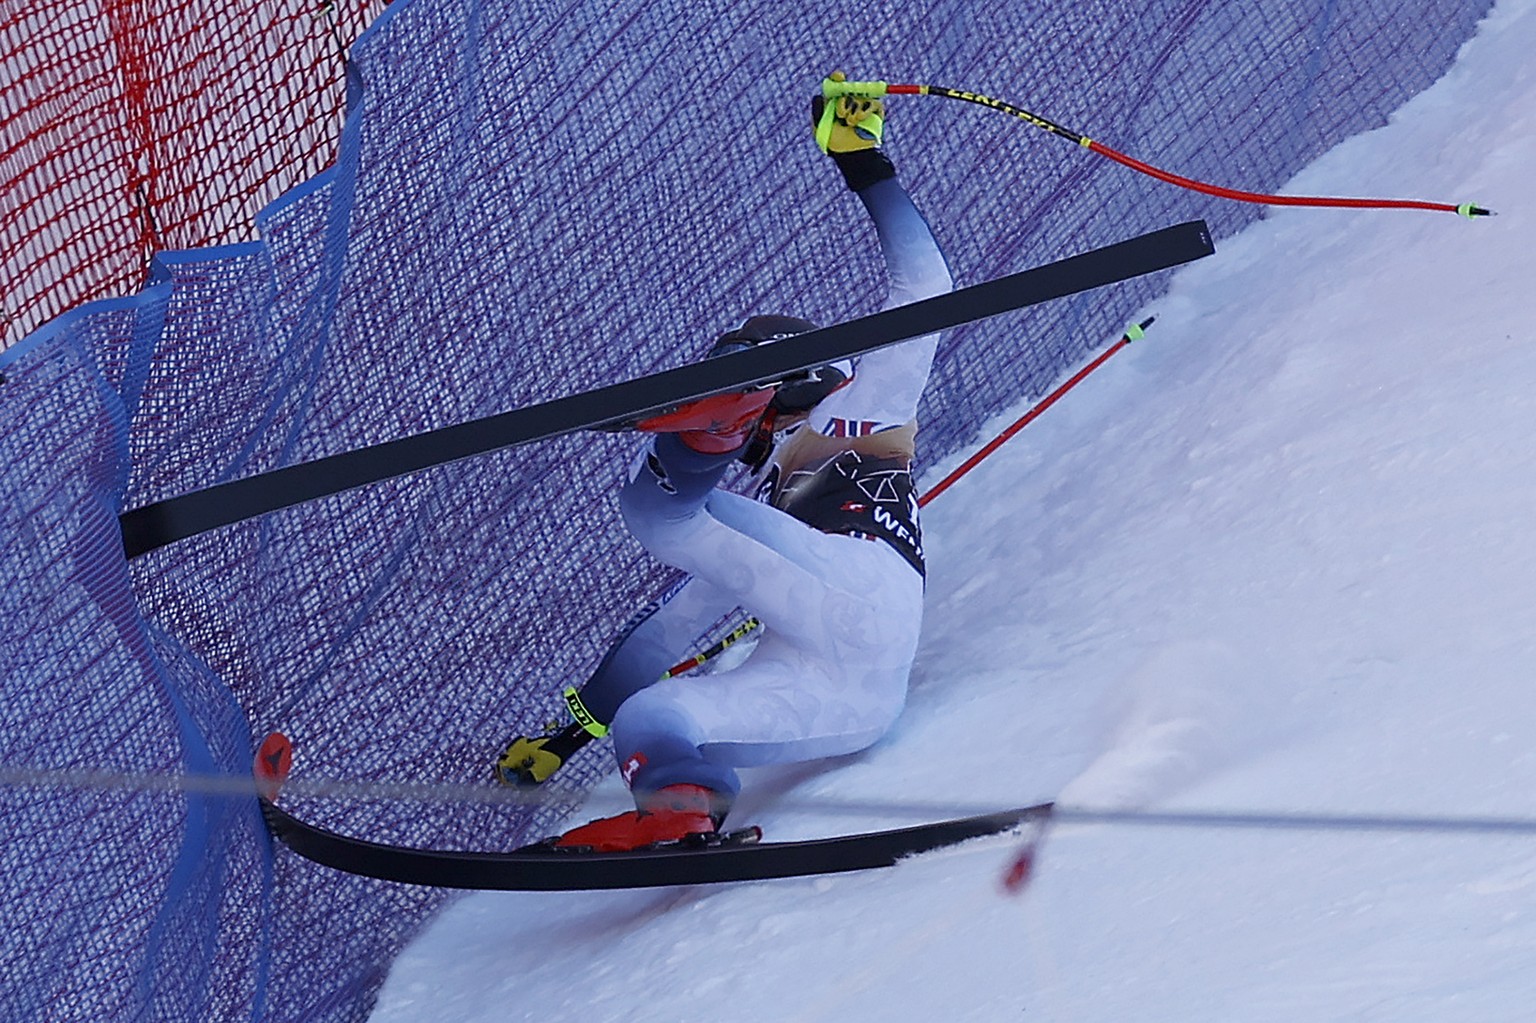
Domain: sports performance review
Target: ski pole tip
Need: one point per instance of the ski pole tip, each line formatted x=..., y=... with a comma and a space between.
x=1471, y=210
x=1020, y=870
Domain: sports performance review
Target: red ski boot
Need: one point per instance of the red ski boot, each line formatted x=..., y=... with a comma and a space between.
x=668, y=815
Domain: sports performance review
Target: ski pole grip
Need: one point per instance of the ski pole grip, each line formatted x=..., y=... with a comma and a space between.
x=834, y=86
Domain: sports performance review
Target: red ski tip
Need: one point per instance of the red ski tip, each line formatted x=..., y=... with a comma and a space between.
x=273, y=761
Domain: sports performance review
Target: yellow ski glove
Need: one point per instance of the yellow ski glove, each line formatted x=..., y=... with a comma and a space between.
x=847, y=118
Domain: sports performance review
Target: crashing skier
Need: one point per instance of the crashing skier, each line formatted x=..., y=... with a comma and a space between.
x=829, y=559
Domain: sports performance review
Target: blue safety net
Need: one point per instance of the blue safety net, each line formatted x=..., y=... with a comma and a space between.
x=532, y=198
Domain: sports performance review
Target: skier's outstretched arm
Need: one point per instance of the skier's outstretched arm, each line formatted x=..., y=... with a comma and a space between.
x=888, y=384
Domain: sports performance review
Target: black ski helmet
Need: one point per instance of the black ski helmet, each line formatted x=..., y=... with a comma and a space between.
x=804, y=390
x=757, y=330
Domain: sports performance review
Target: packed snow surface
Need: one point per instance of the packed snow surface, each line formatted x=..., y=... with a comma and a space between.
x=1276, y=558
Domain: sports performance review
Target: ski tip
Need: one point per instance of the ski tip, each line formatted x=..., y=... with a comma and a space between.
x=273, y=761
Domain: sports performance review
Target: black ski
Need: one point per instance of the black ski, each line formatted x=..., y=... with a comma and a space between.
x=733, y=856
x=155, y=525
x=541, y=869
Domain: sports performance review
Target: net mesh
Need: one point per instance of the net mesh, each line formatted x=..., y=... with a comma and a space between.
x=528, y=199
x=134, y=127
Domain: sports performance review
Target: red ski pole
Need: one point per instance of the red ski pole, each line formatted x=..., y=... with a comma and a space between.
x=831, y=88
x=1133, y=333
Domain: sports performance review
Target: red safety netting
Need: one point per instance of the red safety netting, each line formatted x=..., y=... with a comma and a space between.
x=128, y=127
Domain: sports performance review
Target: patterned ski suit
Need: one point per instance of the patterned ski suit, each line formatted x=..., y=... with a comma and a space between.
x=829, y=560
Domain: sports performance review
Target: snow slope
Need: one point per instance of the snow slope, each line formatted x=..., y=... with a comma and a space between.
x=1277, y=557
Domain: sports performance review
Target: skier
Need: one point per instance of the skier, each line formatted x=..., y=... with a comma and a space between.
x=829, y=559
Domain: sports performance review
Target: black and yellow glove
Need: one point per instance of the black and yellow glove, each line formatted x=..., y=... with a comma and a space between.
x=849, y=128
x=855, y=121
x=528, y=761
